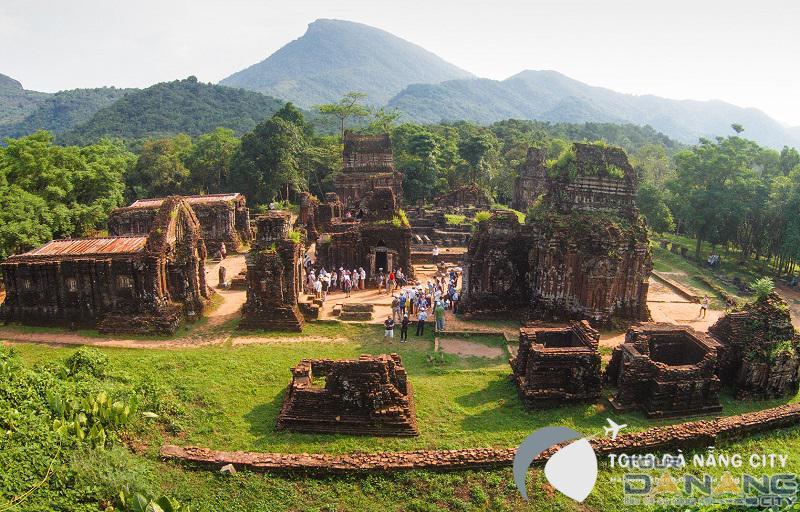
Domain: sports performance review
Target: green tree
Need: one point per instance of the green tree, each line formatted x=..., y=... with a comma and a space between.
x=652, y=201
x=48, y=190
x=348, y=107
x=474, y=149
x=383, y=120
x=209, y=161
x=268, y=163
x=714, y=187
x=160, y=169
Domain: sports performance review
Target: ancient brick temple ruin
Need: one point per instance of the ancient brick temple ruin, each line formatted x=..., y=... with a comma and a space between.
x=224, y=218
x=583, y=252
x=448, y=221
x=125, y=284
x=530, y=183
x=368, y=163
x=760, y=351
x=274, y=277
x=464, y=196
x=666, y=370
x=370, y=395
x=378, y=238
x=315, y=216
x=557, y=365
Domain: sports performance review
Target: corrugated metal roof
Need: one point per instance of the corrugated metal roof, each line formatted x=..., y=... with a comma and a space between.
x=81, y=246
x=206, y=199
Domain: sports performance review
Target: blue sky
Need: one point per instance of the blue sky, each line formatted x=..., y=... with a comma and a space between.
x=742, y=52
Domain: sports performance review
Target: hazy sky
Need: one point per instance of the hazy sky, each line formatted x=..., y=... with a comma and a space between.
x=744, y=52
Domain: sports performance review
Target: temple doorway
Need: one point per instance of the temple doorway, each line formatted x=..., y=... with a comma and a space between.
x=381, y=261
x=381, y=257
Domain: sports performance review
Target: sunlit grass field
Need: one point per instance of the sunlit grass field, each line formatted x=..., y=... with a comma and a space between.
x=228, y=397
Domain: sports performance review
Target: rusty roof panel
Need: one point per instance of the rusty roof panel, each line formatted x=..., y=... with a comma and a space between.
x=206, y=199
x=86, y=246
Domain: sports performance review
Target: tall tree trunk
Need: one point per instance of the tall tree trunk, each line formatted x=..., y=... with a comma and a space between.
x=698, y=246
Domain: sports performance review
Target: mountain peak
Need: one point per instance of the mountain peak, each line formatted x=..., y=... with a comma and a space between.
x=335, y=57
x=6, y=82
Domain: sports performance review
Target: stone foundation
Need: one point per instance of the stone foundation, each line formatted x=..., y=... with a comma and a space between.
x=557, y=365
x=367, y=396
x=665, y=370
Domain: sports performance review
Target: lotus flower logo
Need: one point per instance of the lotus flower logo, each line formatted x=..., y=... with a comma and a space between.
x=572, y=470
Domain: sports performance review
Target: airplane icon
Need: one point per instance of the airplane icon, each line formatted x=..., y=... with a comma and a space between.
x=614, y=428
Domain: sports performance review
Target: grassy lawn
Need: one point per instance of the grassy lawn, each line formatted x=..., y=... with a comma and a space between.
x=228, y=398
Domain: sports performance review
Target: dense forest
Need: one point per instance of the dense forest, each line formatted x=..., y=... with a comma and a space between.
x=181, y=106
x=63, y=110
x=729, y=192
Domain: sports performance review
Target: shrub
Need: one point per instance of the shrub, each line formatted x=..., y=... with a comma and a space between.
x=106, y=473
x=89, y=360
x=482, y=216
x=295, y=236
x=762, y=287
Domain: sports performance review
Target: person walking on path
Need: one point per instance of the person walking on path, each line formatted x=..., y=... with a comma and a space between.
x=348, y=285
x=389, y=332
x=421, y=317
x=438, y=313
x=396, y=308
x=222, y=272
x=704, y=307
x=363, y=276
x=404, y=329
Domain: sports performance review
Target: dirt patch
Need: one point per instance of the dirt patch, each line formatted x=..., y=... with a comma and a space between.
x=254, y=340
x=469, y=348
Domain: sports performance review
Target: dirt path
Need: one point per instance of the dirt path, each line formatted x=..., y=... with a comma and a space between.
x=203, y=335
x=792, y=297
x=469, y=348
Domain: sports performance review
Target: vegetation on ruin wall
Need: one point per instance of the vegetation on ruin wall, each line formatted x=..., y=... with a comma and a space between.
x=601, y=230
x=461, y=402
x=565, y=166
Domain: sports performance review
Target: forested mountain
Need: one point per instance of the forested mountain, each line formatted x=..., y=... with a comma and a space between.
x=551, y=96
x=181, y=106
x=15, y=102
x=63, y=110
x=334, y=57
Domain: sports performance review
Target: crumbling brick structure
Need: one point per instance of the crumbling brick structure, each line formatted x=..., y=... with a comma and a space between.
x=760, y=353
x=530, y=183
x=557, y=365
x=466, y=195
x=316, y=217
x=274, y=277
x=224, y=218
x=377, y=238
x=125, y=284
x=368, y=163
x=370, y=395
x=666, y=370
x=583, y=252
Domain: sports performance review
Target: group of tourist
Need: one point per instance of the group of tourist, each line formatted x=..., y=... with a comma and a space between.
x=395, y=279
x=342, y=280
x=436, y=296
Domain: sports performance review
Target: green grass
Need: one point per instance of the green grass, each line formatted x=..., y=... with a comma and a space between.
x=666, y=261
x=230, y=397
x=454, y=220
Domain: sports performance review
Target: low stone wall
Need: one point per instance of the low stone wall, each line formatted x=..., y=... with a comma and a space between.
x=684, y=435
